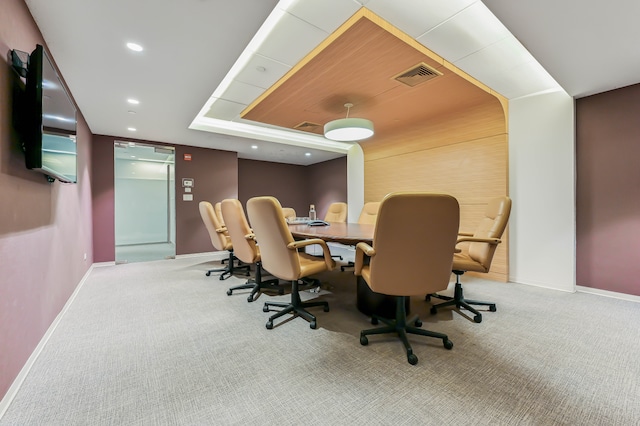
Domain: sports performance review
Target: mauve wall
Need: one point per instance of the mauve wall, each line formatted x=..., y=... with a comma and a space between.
x=608, y=178
x=215, y=175
x=327, y=183
x=45, y=229
x=286, y=182
x=294, y=186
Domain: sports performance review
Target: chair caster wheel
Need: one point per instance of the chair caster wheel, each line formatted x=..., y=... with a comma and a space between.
x=418, y=323
x=229, y=292
x=208, y=273
x=342, y=269
x=433, y=310
x=281, y=291
x=265, y=308
x=492, y=308
x=247, y=274
x=478, y=318
x=269, y=325
x=427, y=298
x=413, y=360
x=313, y=325
x=326, y=308
x=221, y=278
x=364, y=341
x=250, y=299
x=374, y=321
x=448, y=344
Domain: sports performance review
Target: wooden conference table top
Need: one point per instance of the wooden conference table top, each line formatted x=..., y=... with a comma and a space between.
x=344, y=233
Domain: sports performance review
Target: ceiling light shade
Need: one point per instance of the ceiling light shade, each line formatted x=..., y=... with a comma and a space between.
x=348, y=129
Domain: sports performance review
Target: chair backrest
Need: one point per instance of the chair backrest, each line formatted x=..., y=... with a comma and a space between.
x=273, y=235
x=288, y=212
x=238, y=228
x=414, y=241
x=337, y=212
x=220, y=240
x=492, y=225
x=369, y=213
x=218, y=209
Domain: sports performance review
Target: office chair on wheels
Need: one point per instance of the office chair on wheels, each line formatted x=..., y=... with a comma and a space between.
x=368, y=216
x=280, y=256
x=246, y=249
x=337, y=212
x=429, y=246
x=477, y=257
x=220, y=240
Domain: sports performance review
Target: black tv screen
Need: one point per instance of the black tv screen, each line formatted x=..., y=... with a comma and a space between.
x=50, y=122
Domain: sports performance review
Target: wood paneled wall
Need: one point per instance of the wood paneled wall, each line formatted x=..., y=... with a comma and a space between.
x=464, y=154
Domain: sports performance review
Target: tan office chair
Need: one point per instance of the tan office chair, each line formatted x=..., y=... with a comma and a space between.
x=280, y=256
x=478, y=255
x=337, y=212
x=246, y=249
x=368, y=216
x=220, y=240
x=289, y=213
x=423, y=227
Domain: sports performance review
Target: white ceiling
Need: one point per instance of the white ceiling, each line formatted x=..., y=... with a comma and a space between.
x=202, y=65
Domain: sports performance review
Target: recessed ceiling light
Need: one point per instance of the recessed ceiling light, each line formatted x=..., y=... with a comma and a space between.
x=254, y=146
x=133, y=101
x=131, y=129
x=308, y=154
x=131, y=112
x=135, y=47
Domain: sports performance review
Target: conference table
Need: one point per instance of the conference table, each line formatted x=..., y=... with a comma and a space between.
x=368, y=301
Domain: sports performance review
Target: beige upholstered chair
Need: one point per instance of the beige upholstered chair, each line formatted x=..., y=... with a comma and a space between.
x=245, y=248
x=423, y=227
x=288, y=213
x=218, y=209
x=478, y=255
x=368, y=216
x=280, y=256
x=369, y=213
x=337, y=212
x=220, y=239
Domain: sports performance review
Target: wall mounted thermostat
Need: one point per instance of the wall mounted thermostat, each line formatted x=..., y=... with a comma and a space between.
x=187, y=182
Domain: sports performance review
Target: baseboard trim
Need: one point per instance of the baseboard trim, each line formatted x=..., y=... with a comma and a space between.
x=607, y=293
x=24, y=372
x=539, y=284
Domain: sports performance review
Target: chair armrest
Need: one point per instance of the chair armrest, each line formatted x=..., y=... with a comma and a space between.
x=362, y=249
x=326, y=253
x=466, y=234
x=221, y=230
x=494, y=241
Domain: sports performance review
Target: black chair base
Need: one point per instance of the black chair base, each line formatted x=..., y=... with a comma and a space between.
x=231, y=267
x=349, y=264
x=257, y=285
x=295, y=307
x=459, y=301
x=400, y=327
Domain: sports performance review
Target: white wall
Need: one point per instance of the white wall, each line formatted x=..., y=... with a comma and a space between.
x=542, y=187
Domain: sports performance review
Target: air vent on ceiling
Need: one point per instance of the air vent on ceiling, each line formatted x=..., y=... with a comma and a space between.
x=417, y=74
x=307, y=126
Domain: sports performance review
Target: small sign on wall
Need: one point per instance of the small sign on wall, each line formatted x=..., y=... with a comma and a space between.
x=187, y=157
x=187, y=182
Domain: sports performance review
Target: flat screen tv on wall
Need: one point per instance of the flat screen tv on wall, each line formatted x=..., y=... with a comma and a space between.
x=49, y=121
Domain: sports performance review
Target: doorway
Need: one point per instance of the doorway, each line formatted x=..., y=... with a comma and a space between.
x=144, y=202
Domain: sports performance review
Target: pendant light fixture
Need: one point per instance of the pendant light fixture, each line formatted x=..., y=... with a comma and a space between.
x=348, y=129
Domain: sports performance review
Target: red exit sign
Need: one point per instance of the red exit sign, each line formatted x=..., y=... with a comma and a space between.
x=187, y=157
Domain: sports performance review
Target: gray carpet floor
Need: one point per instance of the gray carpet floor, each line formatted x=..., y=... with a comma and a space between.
x=159, y=343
